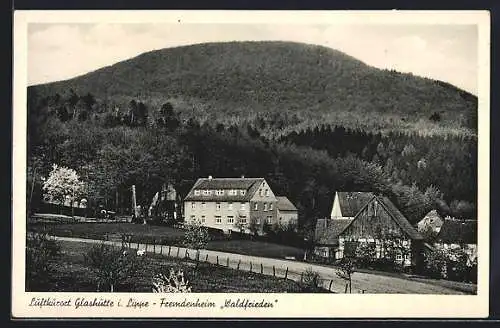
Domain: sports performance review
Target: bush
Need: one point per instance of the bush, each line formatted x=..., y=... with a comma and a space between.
x=451, y=264
x=41, y=250
x=365, y=254
x=383, y=264
x=435, y=263
x=457, y=268
x=196, y=235
x=112, y=265
x=311, y=281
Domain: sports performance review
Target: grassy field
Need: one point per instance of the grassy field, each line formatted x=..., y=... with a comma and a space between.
x=102, y=231
x=256, y=248
x=166, y=236
x=72, y=275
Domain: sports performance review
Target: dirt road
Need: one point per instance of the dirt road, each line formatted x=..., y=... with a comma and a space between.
x=361, y=282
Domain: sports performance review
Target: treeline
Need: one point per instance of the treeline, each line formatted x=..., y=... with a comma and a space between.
x=148, y=146
x=450, y=163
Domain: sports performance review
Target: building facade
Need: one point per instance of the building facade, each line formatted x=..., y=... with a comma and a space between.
x=287, y=213
x=364, y=219
x=231, y=204
x=456, y=234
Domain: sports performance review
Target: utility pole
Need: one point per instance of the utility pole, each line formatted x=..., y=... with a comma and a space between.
x=32, y=188
x=134, y=202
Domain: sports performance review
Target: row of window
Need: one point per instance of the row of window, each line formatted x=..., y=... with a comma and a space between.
x=220, y=192
x=231, y=220
x=267, y=206
x=263, y=192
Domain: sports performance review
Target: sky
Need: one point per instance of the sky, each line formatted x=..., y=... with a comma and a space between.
x=444, y=52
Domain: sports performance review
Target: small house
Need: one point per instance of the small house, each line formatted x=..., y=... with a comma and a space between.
x=287, y=213
x=458, y=234
x=431, y=220
x=365, y=218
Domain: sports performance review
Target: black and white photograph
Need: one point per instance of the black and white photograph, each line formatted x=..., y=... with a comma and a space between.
x=311, y=157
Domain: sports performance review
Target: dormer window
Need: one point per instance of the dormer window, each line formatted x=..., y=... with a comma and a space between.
x=243, y=192
x=196, y=192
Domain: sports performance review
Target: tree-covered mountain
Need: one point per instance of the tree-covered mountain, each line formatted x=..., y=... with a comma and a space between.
x=238, y=80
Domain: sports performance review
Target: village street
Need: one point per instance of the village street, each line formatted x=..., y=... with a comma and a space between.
x=361, y=282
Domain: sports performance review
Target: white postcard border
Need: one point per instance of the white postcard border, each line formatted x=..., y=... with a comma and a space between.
x=284, y=305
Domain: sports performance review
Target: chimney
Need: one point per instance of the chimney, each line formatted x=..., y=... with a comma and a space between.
x=243, y=177
x=209, y=177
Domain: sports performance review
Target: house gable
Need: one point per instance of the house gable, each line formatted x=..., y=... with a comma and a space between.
x=348, y=204
x=431, y=219
x=263, y=193
x=336, y=210
x=380, y=219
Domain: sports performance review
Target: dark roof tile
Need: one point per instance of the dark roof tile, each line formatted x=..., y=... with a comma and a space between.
x=250, y=185
x=328, y=230
x=400, y=219
x=352, y=202
x=458, y=231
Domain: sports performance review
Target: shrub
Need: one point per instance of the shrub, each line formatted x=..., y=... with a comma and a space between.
x=175, y=282
x=41, y=250
x=196, y=235
x=382, y=264
x=311, y=280
x=112, y=265
x=435, y=263
x=457, y=267
x=365, y=253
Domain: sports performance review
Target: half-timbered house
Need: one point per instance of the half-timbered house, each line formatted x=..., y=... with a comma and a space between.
x=365, y=218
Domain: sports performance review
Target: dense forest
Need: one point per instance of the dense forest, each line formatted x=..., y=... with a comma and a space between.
x=140, y=143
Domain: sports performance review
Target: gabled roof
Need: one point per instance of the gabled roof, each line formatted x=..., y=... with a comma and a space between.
x=400, y=219
x=454, y=231
x=328, y=230
x=284, y=204
x=432, y=219
x=396, y=215
x=352, y=202
x=250, y=185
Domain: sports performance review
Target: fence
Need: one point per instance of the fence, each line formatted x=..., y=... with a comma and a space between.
x=295, y=272
x=65, y=210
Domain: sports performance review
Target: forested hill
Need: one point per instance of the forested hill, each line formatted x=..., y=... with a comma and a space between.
x=236, y=80
x=164, y=116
